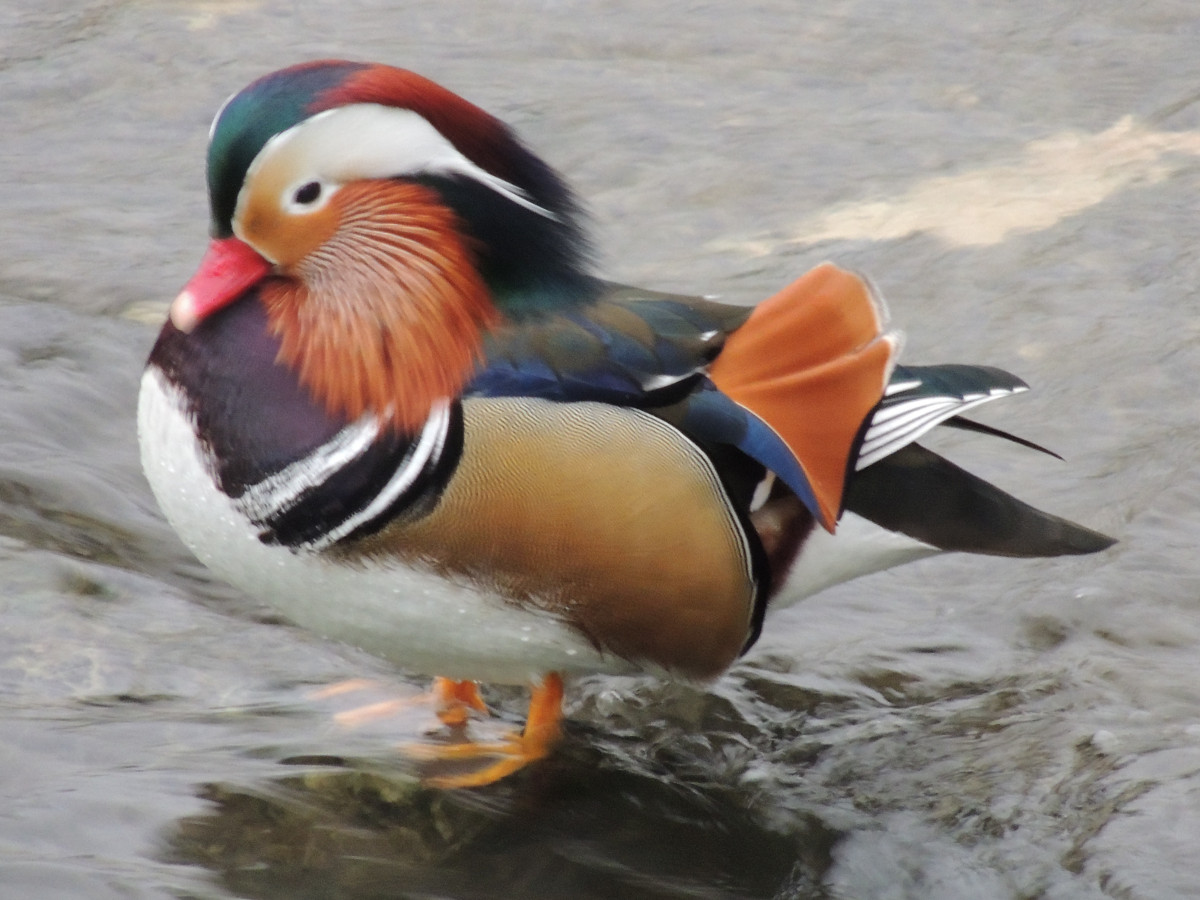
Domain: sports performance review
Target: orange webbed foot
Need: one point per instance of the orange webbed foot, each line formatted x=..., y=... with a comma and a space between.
x=543, y=729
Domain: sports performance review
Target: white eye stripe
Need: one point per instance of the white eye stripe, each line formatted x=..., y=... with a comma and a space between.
x=368, y=140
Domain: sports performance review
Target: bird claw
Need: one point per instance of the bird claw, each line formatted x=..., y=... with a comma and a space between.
x=542, y=731
x=456, y=704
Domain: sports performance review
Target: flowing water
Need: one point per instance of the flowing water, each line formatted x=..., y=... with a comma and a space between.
x=1022, y=180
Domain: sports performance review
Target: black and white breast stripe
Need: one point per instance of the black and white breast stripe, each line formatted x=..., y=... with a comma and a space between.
x=356, y=482
x=302, y=476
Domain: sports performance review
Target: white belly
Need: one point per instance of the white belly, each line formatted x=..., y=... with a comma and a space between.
x=859, y=547
x=410, y=616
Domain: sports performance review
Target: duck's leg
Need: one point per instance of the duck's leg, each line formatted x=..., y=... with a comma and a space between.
x=455, y=700
x=543, y=729
x=363, y=713
x=451, y=700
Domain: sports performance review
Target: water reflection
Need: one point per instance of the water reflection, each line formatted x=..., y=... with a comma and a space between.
x=573, y=826
x=766, y=786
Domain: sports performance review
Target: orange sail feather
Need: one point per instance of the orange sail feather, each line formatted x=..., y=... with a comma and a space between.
x=811, y=362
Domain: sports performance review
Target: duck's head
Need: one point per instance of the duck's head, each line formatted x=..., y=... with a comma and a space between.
x=385, y=223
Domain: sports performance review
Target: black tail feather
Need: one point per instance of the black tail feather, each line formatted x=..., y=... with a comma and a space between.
x=918, y=493
x=980, y=428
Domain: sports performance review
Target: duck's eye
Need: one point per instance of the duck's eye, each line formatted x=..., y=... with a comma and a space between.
x=307, y=194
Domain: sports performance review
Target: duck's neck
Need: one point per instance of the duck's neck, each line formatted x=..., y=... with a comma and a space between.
x=533, y=262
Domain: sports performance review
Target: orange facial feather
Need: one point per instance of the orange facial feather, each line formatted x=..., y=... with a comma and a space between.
x=387, y=315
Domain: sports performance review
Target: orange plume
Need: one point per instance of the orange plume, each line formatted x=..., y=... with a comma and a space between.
x=812, y=362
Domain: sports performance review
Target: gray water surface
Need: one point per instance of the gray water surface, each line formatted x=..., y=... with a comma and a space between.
x=1022, y=181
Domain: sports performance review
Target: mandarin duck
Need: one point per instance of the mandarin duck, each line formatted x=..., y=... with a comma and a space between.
x=394, y=403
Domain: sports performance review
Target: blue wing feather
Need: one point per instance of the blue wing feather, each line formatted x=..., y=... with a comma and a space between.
x=630, y=348
x=710, y=416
